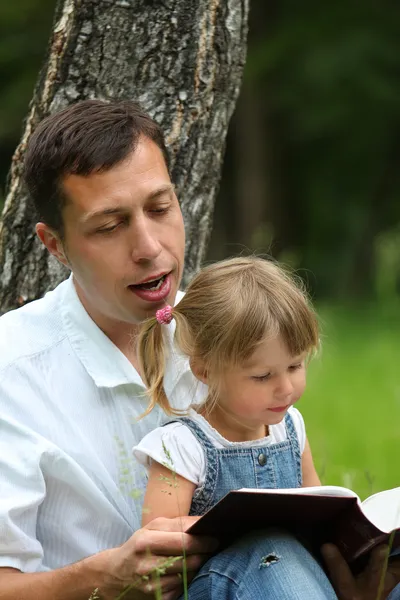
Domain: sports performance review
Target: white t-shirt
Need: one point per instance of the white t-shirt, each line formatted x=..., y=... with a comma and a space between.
x=69, y=407
x=186, y=453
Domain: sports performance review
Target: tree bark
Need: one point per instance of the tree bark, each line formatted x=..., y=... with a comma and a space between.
x=182, y=60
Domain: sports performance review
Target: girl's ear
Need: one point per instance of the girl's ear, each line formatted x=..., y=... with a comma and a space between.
x=199, y=370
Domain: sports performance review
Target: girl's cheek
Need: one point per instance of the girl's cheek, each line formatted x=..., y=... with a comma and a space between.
x=301, y=385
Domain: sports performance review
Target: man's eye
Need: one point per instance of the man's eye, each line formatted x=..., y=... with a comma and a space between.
x=160, y=210
x=108, y=229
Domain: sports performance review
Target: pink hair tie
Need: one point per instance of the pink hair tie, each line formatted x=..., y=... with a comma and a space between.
x=164, y=315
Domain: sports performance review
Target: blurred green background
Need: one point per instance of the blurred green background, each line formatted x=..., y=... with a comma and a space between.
x=311, y=176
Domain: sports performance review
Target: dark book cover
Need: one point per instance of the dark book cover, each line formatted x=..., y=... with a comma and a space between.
x=316, y=518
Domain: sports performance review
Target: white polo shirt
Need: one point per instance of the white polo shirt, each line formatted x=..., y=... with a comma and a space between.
x=69, y=403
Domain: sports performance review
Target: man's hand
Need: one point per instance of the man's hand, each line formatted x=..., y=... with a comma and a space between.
x=366, y=585
x=149, y=559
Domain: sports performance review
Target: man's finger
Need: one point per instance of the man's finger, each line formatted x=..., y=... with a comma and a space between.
x=165, y=564
x=376, y=569
x=145, y=589
x=170, y=543
x=166, y=583
x=340, y=574
x=175, y=594
x=176, y=524
x=393, y=574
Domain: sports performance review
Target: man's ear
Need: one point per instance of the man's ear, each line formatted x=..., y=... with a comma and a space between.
x=52, y=241
x=199, y=370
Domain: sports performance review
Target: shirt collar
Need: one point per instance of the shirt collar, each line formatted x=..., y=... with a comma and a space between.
x=104, y=362
x=102, y=359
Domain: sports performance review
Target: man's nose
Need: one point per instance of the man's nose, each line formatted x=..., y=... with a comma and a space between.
x=144, y=243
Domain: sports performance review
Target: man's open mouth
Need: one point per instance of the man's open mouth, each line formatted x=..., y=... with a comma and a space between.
x=152, y=285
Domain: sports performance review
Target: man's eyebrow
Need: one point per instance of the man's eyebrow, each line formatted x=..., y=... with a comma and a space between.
x=118, y=210
x=164, y=189
x=104, y=213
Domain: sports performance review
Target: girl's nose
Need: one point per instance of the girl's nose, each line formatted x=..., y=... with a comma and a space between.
x=284, y=387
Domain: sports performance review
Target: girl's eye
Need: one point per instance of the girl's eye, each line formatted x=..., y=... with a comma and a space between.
x=295, y=367
x=262, y=377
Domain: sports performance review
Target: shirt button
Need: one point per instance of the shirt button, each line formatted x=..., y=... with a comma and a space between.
x=262, y=459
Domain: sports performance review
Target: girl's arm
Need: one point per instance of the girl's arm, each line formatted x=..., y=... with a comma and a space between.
x=310, y=476
x=167, y=495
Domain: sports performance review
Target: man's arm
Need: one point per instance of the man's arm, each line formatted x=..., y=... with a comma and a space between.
x=75, y=582
x=112, y=571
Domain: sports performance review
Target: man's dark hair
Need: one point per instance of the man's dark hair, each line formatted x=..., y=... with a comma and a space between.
x=89, y=136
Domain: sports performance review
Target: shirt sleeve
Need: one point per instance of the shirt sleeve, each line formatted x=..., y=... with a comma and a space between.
x=300, y=427
x=175, y=447
x=23, y=490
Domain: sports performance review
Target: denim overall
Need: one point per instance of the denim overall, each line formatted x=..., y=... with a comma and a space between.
x=273, y=466
x=237, y=572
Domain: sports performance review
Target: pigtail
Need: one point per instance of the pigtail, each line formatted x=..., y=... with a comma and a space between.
x=151, y=356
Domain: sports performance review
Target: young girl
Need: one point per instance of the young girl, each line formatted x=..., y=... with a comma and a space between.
x=248, y=330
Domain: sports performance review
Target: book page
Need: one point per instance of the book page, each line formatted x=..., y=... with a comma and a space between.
x=383, y=509
x=323, y=490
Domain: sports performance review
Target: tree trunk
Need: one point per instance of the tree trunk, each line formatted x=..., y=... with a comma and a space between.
x=252, y=170
x=182, y=60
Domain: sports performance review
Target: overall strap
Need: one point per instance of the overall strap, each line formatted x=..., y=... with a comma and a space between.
x=197, y=431
x=294, y=441
x=203, y=496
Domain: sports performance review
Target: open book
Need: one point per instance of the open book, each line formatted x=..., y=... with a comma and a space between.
x=319, y=514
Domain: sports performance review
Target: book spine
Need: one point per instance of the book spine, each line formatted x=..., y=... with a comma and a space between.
x=355, y=535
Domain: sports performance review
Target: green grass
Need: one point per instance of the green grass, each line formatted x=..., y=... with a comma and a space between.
x=352, y=403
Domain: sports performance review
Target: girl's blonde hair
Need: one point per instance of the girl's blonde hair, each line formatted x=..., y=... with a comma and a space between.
x=229, y=308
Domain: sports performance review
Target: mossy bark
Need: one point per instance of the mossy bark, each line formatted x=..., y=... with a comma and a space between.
x=182, y=60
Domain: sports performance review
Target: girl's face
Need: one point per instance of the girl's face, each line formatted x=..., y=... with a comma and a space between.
x=260, y=391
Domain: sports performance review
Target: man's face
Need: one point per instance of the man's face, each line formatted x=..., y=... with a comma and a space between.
x=122, y=229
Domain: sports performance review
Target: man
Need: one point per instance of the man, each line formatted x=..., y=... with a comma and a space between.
x=71, y=394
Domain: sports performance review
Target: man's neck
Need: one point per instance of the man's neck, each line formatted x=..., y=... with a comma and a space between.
x=125, y=339
x=123, y=335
